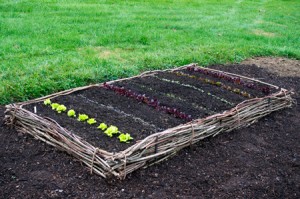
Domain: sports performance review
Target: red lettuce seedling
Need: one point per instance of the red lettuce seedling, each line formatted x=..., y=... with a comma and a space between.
x=147, y=100
x=235, y=80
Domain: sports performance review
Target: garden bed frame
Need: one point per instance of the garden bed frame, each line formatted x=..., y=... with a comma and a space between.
x=154, y=148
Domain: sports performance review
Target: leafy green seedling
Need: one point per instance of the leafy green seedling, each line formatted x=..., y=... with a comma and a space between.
x=61, y=108
x=82, y=117
x=71, y=113
x=125, y=137
x=47, y=102
x=218, y=83
x=236, y=90
x=102, y=126
x=245, y=94
x=91, y=121
x=54, y=106
x=111, y=130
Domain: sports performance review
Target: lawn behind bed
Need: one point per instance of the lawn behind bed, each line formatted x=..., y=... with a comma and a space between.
x=46, y=46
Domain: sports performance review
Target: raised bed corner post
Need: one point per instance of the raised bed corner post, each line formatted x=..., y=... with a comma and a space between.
x=10, y=115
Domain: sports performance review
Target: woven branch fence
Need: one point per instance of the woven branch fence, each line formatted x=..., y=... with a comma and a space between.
x=154, y=148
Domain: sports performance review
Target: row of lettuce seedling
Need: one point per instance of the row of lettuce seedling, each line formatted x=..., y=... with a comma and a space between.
x=108, y=130
x=152, y=102
x=195, y=88
x=218, y=84
x=235, y=80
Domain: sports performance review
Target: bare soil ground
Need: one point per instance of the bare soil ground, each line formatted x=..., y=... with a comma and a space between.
x=278, y=65
x=261, y=161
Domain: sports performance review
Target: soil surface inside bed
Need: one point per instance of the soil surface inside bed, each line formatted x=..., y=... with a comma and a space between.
x=261, y=161
x=183, y=90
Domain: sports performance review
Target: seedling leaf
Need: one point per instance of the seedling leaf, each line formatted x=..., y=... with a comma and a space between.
x=61, y=108
x=71, y=113
x=102, y=126
x=54, y=106
x=47, y=102
x=125, y=137
x=111, y=130
x=91, y=121
x=82, y=117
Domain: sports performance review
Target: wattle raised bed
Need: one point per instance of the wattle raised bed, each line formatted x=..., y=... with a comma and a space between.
x=164, y=111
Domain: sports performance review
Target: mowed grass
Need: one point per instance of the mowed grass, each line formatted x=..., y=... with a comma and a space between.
x=47, y=46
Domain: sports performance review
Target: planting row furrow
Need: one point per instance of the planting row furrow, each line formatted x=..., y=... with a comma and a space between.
x=107, y=97
x=236, y=80
x=190, y=95
x=123, y=114
x=172, y=96
x=218, y=84
x=205, y=99
x=197, y=89
x=102, y=114
x=110, y=130
x=152, y=102
x=165, y=98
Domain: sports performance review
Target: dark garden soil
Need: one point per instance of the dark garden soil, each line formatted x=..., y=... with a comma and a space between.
x=261, y=161
x=138, y=118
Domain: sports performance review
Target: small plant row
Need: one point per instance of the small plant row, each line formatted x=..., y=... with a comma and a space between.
x=171, y=95
x=235, y=80
x=108, y=130
x=122, y=113
x=195, y=88
x=219, y=84
x=154, y=103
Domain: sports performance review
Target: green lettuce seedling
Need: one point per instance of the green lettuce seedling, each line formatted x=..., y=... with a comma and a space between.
x=91, y=121
x=125, y=137
x=82, y=117
x=54, y=106
x=61, y=108
x=236, y=90
x=111, y=130
x=102, y=126
x=71, y=113
x=47, y=102
x=218, y=83
x=245, y=94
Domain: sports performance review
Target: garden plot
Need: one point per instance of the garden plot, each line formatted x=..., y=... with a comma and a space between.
x=119, y=126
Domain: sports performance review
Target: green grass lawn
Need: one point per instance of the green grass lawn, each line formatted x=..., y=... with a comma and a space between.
x=52, y=45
